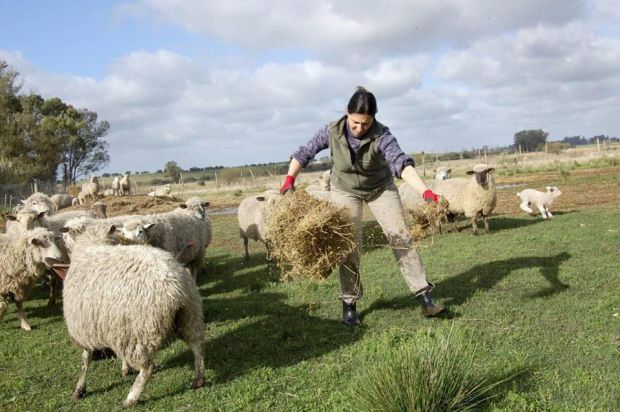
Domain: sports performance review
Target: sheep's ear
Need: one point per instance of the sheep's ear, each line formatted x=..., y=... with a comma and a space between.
x=9, y=217
x=470, y=172
x=260, y=198
x=64, y=229
x=112, y=229
x=205, y=204
x=148, y=226
x=183, y=206
x=490, y=169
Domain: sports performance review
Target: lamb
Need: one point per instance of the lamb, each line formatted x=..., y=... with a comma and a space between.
x=185, y=232
x=541, y=200
x=116, y=186
x=91, y=189
x=130, y=299
x=22, y=263
x=125, y=185
x=252, y=215
x=473, y=197
x=443, y=173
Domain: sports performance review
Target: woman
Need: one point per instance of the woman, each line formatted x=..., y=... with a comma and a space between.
x=365, y=159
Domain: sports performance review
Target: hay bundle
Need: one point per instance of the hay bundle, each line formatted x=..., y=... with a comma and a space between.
x=426, y=220
x=308, y=237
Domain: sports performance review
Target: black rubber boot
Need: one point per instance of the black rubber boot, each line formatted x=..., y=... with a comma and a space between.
x=349, y=314
x=429, y=309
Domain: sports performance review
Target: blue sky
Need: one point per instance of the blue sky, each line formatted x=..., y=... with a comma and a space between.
x=229, y=83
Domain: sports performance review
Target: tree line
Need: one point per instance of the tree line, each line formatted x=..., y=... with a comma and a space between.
x=46, y=139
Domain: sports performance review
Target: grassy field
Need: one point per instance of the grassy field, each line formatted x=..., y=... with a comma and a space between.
x=539, y=300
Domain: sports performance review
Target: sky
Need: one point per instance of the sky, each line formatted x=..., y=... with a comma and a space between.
x=234, y=82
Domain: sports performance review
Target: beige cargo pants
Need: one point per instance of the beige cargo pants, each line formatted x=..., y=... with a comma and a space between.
x=387, y=209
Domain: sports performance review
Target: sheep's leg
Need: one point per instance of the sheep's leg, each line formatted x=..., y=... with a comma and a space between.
x=548, y=212
x=524, y=206
x=51, y=301
x=199, y=364
x=138, y=385
x=245, y=246
x=125, y=369
x=80, y=388
x=4, y=304
x=23, y=322
x=543, y=212
x=486, y=224
x=474, y=225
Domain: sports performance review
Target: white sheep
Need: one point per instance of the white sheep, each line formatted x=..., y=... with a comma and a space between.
x=75, y=227
x=412, y=200
x=22, y=263
x=130, y=299
x=60, y=201
x=22, y=220
x=161, y=191
x=185, y=232
x=125, y=185
x=90, y=190
x=473, y=197
x=252, y=215
x=116, y=186
x=540, y=200
x=39, y=202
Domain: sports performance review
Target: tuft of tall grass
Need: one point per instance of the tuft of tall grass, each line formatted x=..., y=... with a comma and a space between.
x=437, y=372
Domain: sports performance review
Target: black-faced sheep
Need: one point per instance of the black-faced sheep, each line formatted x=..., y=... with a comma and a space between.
x=129, y=298
x=540, y=200
x=473, y=197
x=22, y=263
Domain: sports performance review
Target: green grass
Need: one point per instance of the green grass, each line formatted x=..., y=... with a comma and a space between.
x=539, y=297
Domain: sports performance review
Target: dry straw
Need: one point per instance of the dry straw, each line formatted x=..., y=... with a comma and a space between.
x=308, y=237
x=426, y=220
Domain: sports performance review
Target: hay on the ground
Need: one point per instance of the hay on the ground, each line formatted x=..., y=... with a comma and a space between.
x=308, y=237
x=426, y=220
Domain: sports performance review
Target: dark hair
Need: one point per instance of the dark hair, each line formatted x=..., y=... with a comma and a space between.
x=362, y=102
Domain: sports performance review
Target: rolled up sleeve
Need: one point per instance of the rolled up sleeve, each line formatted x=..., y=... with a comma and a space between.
x=307, y=152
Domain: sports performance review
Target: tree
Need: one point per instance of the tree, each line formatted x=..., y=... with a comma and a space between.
x=173, y=170
x=530, y=140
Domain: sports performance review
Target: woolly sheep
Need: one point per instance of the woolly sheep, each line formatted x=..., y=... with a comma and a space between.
x=185, y=232
x=22, y=220
x=160, y=191
x=39, y=202
x=108, y=192
x=60, y=201
x=124, y=185
x=252, y=216
x=75, y=227
x=473, y=197
x=538, y=199
x=91, y=189
x=116, y=186
x=157, y=299
x=22, y=263
x=411, y=199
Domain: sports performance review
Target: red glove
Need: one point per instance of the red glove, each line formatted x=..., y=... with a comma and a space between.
x=429, y=196
x=289, y=184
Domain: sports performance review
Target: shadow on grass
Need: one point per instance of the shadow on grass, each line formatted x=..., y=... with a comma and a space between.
x=266, y=330
x=458, y=289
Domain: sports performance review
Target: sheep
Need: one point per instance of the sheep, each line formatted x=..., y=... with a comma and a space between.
x=75, y=227
x=473, y=197
x=39, y=202
x=22, y=220
x=91, y=189
x=81, y=197
x=75, y=201
x=22, y=263
x=160, y=191
x=411, y=199
x=124, y=185
x=541, y=200
x=60, y=201
x=130, y=299
x=116, y=186
x=252, y=216
x=108, y=192
x=185, y=232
